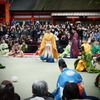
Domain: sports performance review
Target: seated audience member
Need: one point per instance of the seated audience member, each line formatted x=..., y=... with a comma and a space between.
x=71, y=91
x=16, y=50
x=96, y=48
x=90, y=38
x=97, y=80
x=92, y=43
x=40, y=91
x=85, y=62
x=68, y=37
x=66, y=76
x=66, y=52
x=4, y=50
x=62, y=44
x=86, y=45
x=24, y=47
x=32, y=46
x=7, y=91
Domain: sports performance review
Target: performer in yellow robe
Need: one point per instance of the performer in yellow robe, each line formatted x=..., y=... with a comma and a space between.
x=86, y=46
x=48, y=50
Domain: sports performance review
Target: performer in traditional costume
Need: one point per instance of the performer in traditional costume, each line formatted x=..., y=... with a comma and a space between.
x=97, y=80
x=85, y=62
x=75, y=45
x=67, y=75
x=96, y=48
x=66, y=52
x=86, y=45
x=16, y=50
x=48, y=50
x=4, y=50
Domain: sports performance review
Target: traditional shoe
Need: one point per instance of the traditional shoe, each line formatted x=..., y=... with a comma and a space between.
x=1, y=66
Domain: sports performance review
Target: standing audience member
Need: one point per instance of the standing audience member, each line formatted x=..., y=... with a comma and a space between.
x=66, y=76
x=14, y=22
x=18, y=32
x=69, y=37
x=40, y=91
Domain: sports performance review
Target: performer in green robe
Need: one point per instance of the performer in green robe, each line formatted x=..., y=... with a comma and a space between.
x=85, y=62
x=96, y=48
x=97, y=80
x=67, y=50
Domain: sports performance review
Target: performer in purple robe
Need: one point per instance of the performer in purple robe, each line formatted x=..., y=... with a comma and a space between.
x=75, y=44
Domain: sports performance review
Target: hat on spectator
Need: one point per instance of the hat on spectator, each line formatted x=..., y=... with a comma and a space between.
x=62, y=63
x=81, y=49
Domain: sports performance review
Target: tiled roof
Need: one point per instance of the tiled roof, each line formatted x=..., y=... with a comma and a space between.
x=60, y=5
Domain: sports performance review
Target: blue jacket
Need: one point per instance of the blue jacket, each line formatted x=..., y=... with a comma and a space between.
x=67, y=75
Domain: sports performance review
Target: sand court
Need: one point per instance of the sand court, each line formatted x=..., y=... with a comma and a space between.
x=32, y=68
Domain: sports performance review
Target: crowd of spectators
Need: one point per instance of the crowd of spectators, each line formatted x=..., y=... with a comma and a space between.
x=29, y=34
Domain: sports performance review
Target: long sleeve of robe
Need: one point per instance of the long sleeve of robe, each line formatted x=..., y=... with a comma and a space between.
x=66, y=51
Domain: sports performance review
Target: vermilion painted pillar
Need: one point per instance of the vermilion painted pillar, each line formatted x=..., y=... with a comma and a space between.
x=7, y=12
x=73, y=20
x=94, y=21
x=53, y=21
x=32, y=17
